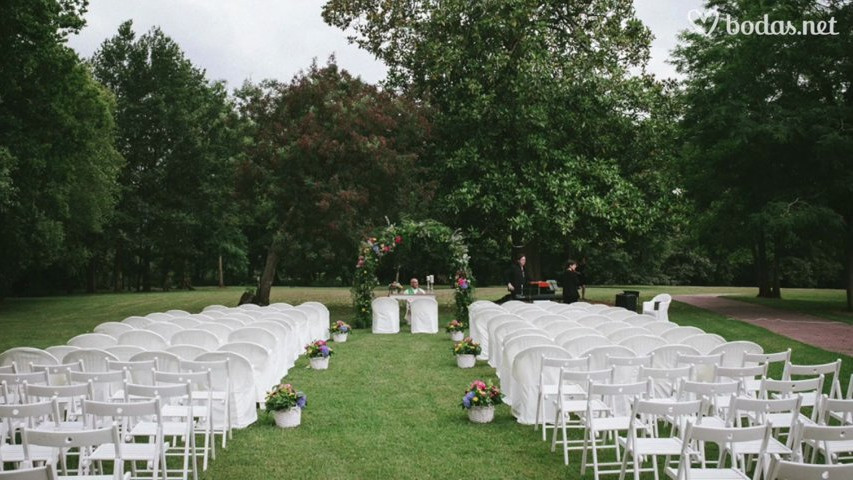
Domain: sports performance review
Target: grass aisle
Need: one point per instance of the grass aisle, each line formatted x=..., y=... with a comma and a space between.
x=388, y=407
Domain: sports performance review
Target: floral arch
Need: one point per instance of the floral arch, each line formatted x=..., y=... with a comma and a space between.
x=385, y=240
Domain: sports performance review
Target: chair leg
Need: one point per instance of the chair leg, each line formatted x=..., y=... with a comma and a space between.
x=624, y=462
x=554, y=431
x=538, y=412
x=586, y=435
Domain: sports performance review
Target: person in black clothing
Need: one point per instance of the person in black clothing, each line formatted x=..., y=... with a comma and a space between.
x=571, y=283
x=582, y=277
x=517, y=278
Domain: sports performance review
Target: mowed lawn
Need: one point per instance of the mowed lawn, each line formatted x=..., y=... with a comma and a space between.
x=388, y=407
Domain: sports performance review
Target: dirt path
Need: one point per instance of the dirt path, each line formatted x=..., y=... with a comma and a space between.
x=826, y=334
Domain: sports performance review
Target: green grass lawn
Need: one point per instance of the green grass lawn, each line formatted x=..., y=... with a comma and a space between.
x=388, y=407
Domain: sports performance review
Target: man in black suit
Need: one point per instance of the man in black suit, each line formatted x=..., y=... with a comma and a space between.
x=517, y=278
x=571, y=282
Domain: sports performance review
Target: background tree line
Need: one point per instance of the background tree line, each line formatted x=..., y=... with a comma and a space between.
x=530, y=125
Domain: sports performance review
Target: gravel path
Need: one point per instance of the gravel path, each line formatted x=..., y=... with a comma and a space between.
x=822, y=333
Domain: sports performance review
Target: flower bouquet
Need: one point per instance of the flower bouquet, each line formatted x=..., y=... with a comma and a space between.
x=318, y=354
x=466, y=352
x=286, y=404
x=456, y=329
x=480, y=400
x=339, y=331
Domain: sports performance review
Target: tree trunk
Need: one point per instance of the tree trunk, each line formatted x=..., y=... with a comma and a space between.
x=762, y=277
x=221, y=274
x=118, y=283
x=262, y=297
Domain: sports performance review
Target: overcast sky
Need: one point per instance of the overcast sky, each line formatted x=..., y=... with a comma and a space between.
x=234, y=40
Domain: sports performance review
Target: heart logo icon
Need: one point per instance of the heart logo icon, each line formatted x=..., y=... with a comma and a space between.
x=699, y=18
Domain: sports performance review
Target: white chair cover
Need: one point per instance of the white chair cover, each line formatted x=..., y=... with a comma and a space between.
x=704, y=342
x=478, y=323
x=503, y=336
x=113, y=329
x=511, y=349
x=219, y=329
x=124, y=352
x=621, y=314
x=93, y=340
x=325, y=318
x=667, y=355
x=178, y=313
x=280, y=306
x=243, y=390
x=159, y=316
x=214, y=314
x=232, y=323
x=92, y=359
x=598, y=355
x=643, y=345
x=424, y=315
x=214, y=307
x=262, y=365
x=640, y=320
x=578, y=345
x=525, y=381
x=514, y=305
x=59, y=351
x=386, y=315
x=662, y=313
x=733, y=352
x=676, y=335
x=137, y=322
x=575, y=332
x=143, y=338
x=491, y=324
x=166, y=361
x=286, y=344
x=497, y=331
x=593, y=320
x=597, y=308
x=303, y=327
x=186, y=352
x=198, y=337
x=186, y=322
x=659, y=327
x=164, y=329
x=608, y=328
x=24, y=356
x=555, y=329
x=548, y=319
x=621, y=334
x=318, y=324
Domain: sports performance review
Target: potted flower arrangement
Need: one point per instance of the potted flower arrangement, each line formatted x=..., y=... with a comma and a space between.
x=456, y=329
x=318, y=354
x=286, y=404
x=466, y=352
x=480, y=400
x=339, y=331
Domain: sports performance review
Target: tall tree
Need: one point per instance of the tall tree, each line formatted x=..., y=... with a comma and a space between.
x=330, y=158
x=543, y=133
x=177, y=132
x=57, y=162
x=767, y=131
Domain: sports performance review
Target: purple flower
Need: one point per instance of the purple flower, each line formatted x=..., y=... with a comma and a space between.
x=344, y=329
x=301, y=401
x=376, y=249
x=324, y=350
x=467, y=399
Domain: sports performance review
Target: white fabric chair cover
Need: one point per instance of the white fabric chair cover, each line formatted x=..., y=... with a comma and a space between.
x=278, y=357
x=549, y=318
x=608, y=328
x=303, y=327
x=510, y=350
x=232, y=323
x=593, y=320
x=386, y=315
x=597, y=308
x=662, y=313
x=164, y=329
x=504, y=336
x=262, y=365
x=485, y=325
x=704, y=342
x=643, y=345
x=280, y=306
x=243, y=390
x=659, y=327
x=198, y=337
x=166, y=361
x=598, y=355
x=24, y=356
x=143, y=338
x=424, y=315
x=621, y=314
x=178, y=313
x=93, y=340
x=248, y=306
x=640, y=320
x=113, y=329
x=575, y=332
x=325, y=318
x=676, y=335
x=220, y=330
x=92, y=359
x=292, y=337
x=242, y=315
x=733, y=352
x=286, y=344
x=319, y=324
x=514, y=305
x=531, y=314
x=556, y=328
x=59, y=351
x=186, y=352
x=137, y=322
x=621, y=334
x=124, y=352
x=478, y=322
x=578, y=345
x=496, y=338
x=667, y=356
x=159, y=316
x=211, y=314
x=525, y=381
x=214, y=307
x=186, y=322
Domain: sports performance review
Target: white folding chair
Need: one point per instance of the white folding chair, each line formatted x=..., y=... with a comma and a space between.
x=787, y=470
x=69, y=400
x=107, y=385
x=569, y=403
x=166, y=362
x=126, y=416
x=22, y=357
x=808, y=390
x=833, y=442
x=831, y=373
x=201, y=384
x=26, y=415
x=716, y=397
x=726, y=439
x=665, y=381
x=38, y=473
x=220, y=395
x=548, y=385
x=750, y=411
x=85, y=442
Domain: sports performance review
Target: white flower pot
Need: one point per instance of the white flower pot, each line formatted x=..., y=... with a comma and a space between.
x=481, y=414
x=339, y=337
x=466, y=361
x=319, y=363
x=289, y=418
x=457, y=336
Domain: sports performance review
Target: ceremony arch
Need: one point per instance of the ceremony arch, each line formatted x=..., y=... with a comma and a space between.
x=385, y=240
